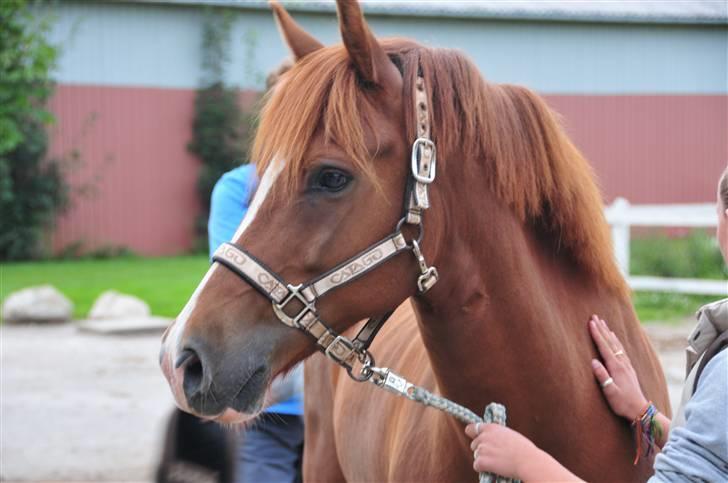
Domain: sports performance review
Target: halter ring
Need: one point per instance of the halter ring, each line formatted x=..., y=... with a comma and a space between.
x=420, y=229
x=365, y=373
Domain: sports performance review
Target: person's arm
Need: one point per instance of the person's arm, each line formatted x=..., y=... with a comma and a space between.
x=698, y=451
x=624, y=393
x=503, y=451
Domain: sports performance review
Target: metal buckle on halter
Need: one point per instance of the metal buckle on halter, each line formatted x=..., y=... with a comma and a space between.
x=295, y=292
x=341, y=349
x=417, y=147
x=428, y=275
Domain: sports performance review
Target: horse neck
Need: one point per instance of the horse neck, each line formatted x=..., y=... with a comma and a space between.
x=507, y=323
x=480, y=323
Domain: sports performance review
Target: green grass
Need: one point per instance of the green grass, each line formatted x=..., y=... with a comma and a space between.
x=164, y=283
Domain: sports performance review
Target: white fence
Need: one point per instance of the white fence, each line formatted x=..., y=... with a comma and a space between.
x=622, y=216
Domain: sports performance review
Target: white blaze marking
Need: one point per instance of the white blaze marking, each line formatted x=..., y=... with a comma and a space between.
x=269, y=177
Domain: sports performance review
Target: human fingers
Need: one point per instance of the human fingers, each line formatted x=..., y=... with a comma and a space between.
x=598, y=336
x=619, y=353
x=615, y=344
x=482, y=454
x=486, y=433
x=603, y=378
x=483, y=460
x=616, y=356
x=613, y=339
x=607, y=333
x=473, y=429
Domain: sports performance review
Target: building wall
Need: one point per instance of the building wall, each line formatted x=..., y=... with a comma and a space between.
x=648, y=104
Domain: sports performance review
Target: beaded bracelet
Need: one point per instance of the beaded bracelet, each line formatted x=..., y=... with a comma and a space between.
x=647, y=428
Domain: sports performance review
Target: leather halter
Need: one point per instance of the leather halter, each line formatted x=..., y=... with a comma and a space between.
x=295, y=305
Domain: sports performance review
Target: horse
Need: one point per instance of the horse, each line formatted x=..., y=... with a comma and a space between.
x=492, y=194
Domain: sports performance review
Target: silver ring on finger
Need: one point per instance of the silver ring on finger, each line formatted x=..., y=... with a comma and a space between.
x=620, y=352
x=477, y=428
x=607, y=382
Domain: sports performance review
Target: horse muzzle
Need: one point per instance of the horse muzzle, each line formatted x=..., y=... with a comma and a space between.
x=212, y=384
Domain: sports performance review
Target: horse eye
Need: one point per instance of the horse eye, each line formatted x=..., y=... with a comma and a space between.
x=332, y=180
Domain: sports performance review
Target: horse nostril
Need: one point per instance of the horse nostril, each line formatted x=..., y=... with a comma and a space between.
x=193, y=374
x=185, y=356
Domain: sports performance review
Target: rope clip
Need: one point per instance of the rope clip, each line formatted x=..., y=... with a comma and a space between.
x=428, y=275
x=394, y=383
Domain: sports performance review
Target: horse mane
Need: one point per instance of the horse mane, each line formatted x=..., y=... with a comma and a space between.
x=532, y=166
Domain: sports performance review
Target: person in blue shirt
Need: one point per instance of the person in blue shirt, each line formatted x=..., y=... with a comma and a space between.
x=272, y=449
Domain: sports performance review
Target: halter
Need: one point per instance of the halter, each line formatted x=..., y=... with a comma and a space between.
x=295, y=305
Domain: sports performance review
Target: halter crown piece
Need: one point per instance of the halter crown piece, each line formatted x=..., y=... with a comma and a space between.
x=295, y=305
x=350, y=353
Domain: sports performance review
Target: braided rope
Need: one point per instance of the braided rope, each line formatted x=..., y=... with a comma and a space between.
x=494, y=413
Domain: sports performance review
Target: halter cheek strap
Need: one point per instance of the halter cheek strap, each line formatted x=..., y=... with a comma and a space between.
x=295, y=305
x=424, y=158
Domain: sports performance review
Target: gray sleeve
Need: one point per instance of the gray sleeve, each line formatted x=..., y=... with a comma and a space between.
x=698, y=451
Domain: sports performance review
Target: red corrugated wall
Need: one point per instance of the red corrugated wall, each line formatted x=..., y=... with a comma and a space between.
x=651, y=149
x=139, y=180
x=134, y=185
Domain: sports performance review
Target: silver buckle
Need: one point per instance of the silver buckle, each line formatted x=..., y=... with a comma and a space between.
x=417, y=157
x=340, y=349
x=295, y=292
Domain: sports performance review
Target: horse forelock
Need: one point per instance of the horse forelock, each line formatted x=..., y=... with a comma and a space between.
x=523, y=152
x=320, y=92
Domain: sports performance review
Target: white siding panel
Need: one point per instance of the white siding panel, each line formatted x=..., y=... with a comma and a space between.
x=159, y=46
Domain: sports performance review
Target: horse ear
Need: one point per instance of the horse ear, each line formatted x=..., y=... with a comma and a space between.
x=298, y=40
x=366, y=53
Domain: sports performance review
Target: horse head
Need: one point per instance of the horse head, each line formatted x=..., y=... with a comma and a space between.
x=333, y=153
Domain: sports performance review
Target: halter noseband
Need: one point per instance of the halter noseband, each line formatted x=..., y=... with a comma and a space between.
x=283, y=296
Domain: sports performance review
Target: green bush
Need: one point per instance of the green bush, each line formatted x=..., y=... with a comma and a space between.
x=32, y=188
x=221, y=131
x=694, y=256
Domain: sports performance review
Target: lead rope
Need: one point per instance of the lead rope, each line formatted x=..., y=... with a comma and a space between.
x=494, y=412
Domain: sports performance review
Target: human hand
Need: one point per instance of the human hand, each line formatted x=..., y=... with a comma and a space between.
x=624, y=393
x=505, y=452
x=500, y=450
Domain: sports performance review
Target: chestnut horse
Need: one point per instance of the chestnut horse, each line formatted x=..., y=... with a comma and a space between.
x=514, y=226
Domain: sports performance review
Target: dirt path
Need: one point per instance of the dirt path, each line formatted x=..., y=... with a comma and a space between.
x=78, y=406
x=82, y=407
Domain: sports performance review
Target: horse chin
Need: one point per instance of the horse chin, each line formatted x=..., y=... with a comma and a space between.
x=233, y=418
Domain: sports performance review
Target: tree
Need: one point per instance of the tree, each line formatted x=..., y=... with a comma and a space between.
x=32, y=188
x=221, y=129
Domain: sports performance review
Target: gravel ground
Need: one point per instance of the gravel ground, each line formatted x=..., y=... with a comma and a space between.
x=76, y=406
